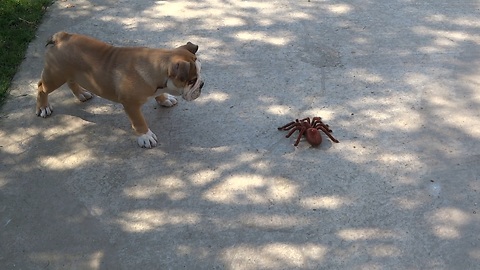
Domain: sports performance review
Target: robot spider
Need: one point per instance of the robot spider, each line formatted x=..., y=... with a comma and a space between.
x=310, y=129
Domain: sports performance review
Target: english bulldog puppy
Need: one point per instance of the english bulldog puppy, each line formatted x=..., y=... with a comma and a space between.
x=127, y=75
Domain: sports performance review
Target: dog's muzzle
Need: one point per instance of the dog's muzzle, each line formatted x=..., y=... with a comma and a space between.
x=196, y=89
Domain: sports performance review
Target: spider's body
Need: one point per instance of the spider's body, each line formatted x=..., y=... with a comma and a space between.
x=310, y=129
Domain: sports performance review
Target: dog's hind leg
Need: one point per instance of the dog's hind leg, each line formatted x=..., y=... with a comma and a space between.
x=78, y=91
x=44, y=87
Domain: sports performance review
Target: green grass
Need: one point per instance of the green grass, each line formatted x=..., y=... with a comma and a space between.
x=18, y=23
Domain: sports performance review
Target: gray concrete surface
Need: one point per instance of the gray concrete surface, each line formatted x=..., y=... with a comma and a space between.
x=398, y=81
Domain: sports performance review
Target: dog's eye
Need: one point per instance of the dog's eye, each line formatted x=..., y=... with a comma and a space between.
x=191, y=82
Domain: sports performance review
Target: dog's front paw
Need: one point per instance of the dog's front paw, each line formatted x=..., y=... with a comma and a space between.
x=147, y=140
x=84, y=96
x=167, y=100
x=44, y=111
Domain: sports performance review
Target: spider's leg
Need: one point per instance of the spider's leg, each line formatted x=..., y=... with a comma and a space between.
x=317, y=121
x=290, y=125
x=292, y=131
x=300, y=135
x=326, y=127
x=287, y=126
x=328, y=133
x=305, y=119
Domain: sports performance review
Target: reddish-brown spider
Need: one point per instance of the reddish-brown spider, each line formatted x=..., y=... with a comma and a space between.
x=310, y=129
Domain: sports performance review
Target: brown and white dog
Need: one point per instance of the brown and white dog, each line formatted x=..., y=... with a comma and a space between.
x=127, y=75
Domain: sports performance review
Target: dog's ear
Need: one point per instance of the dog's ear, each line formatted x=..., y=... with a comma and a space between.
x=190, y=47
x=179, y=70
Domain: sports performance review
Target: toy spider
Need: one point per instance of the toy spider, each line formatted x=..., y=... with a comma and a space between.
x=310, y=129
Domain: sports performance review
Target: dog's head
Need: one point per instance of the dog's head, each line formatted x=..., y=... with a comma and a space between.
x=184, y=76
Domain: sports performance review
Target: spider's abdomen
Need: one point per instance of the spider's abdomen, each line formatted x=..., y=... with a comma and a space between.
x=313, y=136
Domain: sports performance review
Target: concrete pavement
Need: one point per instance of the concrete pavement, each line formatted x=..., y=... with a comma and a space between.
x=397, y=81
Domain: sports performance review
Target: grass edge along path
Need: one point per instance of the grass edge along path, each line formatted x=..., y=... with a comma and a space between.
x=19, y=20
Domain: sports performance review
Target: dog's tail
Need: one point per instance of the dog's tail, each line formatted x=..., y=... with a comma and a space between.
x=56, y=37
x=50, y=41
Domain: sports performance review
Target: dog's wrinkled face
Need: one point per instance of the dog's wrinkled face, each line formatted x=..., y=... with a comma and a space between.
x=184, y=76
